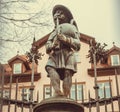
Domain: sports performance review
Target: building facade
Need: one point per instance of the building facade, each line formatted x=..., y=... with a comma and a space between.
x=16, y=83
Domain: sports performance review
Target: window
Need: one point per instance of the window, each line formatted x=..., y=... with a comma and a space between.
x=25, y=94
x=115, y=60
x=5, y=93
x=17, y=68
x=104, y=89
x=48, y=91
x=77, y=91
x=72, y=92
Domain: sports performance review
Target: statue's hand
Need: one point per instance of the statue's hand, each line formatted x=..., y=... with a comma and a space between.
x=49, y=48
x=55, y=43
x=62, y=37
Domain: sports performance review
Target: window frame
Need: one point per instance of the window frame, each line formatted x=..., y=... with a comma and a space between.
x=112, y=60
x=51, y=91
x=25, y=93
x=105, y=85
x=77, y=91
x=6, y=93
x=17, y=66
x=74, y=91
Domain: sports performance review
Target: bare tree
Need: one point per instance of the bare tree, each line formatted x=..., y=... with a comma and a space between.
x=19, y=24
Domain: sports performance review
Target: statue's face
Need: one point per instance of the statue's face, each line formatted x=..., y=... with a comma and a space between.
x=60, y=15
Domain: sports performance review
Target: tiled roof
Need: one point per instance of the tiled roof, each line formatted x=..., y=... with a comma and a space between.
x=25, y=76
x=8, y=67
x=113, y=48
x=21, y=57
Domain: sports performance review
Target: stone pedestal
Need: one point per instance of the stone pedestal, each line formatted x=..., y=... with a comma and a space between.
x=58, y=104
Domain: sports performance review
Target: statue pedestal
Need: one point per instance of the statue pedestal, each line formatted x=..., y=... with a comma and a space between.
x=58, y=104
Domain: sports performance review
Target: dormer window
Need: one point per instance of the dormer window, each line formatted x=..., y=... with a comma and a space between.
x=17, y=68
x=115, y=60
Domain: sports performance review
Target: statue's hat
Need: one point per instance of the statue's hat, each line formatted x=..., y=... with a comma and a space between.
x=64, y=9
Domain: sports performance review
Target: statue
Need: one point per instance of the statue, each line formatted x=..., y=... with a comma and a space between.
x=61, y=45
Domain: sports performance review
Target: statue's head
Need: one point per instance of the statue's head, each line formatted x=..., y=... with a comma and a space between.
x=62, y=13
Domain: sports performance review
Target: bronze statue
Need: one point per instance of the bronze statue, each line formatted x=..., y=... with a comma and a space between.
x=60, y=46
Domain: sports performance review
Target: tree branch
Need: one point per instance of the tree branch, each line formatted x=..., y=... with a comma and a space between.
x=13, y=1
x=12, y=19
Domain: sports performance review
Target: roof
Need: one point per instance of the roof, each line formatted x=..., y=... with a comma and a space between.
x=23, y=58
x=83, y=38
x=113, y=49
x=20, y=57
x=24, y=76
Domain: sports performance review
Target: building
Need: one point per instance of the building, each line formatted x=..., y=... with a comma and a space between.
x=83, y=81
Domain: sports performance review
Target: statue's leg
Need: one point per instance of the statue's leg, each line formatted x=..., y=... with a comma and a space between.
x=55, y=80
x=67, y=82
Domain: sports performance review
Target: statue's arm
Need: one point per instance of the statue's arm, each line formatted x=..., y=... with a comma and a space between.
x=74, y=42
x=49, y=44
x=48, y=47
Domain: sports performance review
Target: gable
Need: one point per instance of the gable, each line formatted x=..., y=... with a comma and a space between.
x=114, y=50
x=19, y=59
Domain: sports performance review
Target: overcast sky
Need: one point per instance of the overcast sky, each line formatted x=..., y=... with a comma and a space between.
x=96, y=18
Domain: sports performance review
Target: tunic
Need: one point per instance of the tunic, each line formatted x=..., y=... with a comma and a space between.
x=64, y=57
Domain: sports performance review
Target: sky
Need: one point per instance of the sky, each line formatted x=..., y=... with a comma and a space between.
x=96, y=18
